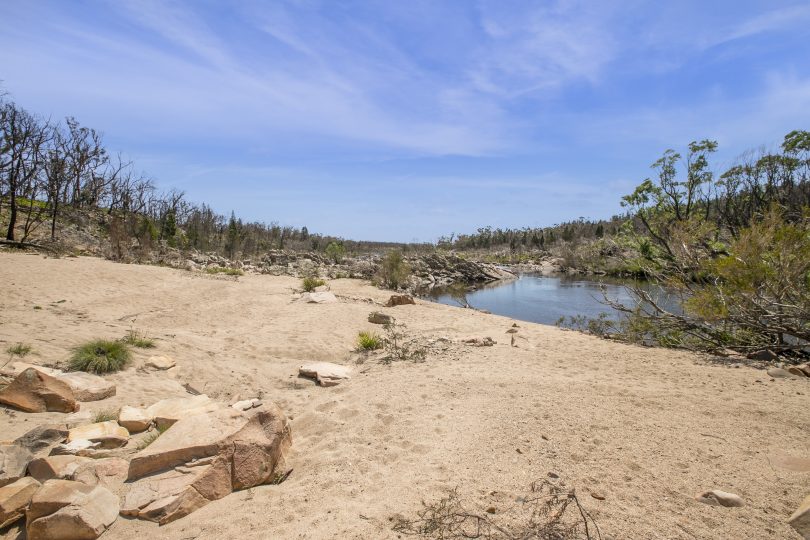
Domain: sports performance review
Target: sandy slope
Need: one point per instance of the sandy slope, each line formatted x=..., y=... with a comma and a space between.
x=646, y=428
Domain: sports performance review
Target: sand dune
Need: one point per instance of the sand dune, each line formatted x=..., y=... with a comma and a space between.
x=647, y=429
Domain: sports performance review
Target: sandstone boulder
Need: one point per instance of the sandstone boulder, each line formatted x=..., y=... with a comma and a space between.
x=35, y=391
x=399, y=300
x=68, y=510
x=79, y=447
x=376, y=317
x=318, y=298
x=56, y=467
x=14, y=499
x=326, y=373
x=779, y=373
x=42, y=439
x=109, y=434
x=111, y=473
x=204, y=457
x=133, y=419
x=797, y=371
x=800, y=519
x=247, y=404
x=160, y=362
x=14, y=460
x=85, y=386
x=716, y=497
x=168, y=411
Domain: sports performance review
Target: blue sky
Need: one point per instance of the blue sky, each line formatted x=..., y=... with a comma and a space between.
x=392, y=120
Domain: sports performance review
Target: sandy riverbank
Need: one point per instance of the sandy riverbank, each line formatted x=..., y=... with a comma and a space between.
x=646, y=428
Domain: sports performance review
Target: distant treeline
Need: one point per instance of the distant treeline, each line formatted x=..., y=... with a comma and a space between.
x=50, y=171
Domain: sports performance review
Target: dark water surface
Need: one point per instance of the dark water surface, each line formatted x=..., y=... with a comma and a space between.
x=544, y=299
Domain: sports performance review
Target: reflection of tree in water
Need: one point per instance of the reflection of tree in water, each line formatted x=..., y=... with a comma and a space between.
x=458, y=292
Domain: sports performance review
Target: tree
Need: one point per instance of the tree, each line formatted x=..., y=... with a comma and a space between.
x=335, y=251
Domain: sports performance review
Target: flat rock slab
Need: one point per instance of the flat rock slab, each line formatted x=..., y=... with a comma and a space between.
x=85, y=386
x=35, y=391
x=56, y=467
x=68, y=510
x=43, y=438
x=318, y=298
x=133, y=419
x=14, y=460
x=326, y=373
x=160, y=362
x=14, y=499
x=168, y=411
x=109, y=434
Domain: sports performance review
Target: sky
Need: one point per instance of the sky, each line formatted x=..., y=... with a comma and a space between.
x=404, y=121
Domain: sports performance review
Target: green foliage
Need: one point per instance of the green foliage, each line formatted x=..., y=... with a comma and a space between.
x=394, y=271
x=335, y=251
x=138, y=339
x=224, y=270
x=20, y=349
x=310, y=283
x=100, y=356
x=152, y=436
x=369, y=341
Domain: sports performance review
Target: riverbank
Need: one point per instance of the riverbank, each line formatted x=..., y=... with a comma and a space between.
x=637, y=432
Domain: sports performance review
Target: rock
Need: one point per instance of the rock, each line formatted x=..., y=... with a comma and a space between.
x=326, y=373
x=109, y=472
x=512, y=331
x=800, y=519
x=779, y=373
x=109, y=434
x=14, y=460
x=203, y=458
x=797, y=371
x=35, y=391
x=399, y=300
x=62, y=467
x=160, y=362
x=14, y=499
x=85, y=386
x=805, y=368
x=716, y=497
x=133, y=419
x=247, y=404
x=88, y=387
x=168, y=411
x=79, y=447
x=375, y=317
x=68, y=510
x=764, y=355
x=479, y=341
x=42, y=439
x=318, y=298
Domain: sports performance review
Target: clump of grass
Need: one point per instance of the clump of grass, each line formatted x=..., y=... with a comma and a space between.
x=138, y=339
x=310, y=283
x=20, y=349
x=369, y=341
x=37, y=307
x=100, y=356
x=222, y=270
x=105, y=416
x=152, y=436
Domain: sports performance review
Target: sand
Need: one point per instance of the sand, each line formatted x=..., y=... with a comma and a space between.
x=648, y=429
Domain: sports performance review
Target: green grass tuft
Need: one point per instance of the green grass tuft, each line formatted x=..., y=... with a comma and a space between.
x=105, y=416
x=369, y=341
x=138, y=339
x=20, y=349
x=100, y=356
x=309, y=284
x=226, y=271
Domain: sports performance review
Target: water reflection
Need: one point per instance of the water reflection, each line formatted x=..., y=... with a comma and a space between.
x=544, y=299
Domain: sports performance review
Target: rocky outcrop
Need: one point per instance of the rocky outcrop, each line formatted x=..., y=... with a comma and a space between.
x=326, y=373
x=34, y=391
x=204, y=457
x=68, y=510
x=14, y=499
x=437, y=270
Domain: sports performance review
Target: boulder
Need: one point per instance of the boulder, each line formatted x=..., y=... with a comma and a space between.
x=68, y=510
x=763, y=355
x=42, y=439
x=85, y=386
x=168, y=411
x=160, y=362
x=800, y=519
x=35, y=391
x=79, y=447
x=109, y=434
x=318, y=298
x=203, y=458
x=716, y=497
x=133, y=419
x=109, y=472
x=14, y=460
x=375, y=317
x=326, y=373
x=399, y=300
x=247, y=404
x=805, y=368
x=779, y=373
x=56, y=467
x=797, y=371
x=14, y=499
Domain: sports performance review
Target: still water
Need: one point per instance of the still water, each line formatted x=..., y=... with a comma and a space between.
x=544, y=299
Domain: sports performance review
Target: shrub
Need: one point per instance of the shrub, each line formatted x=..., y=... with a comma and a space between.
x=105, y=416
x=393, y=271
x=221, y=270
x=369, y=341
x=138, y=339
x=20, y=349
x=100, y=356
x=310, y=283
x=335, y=251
